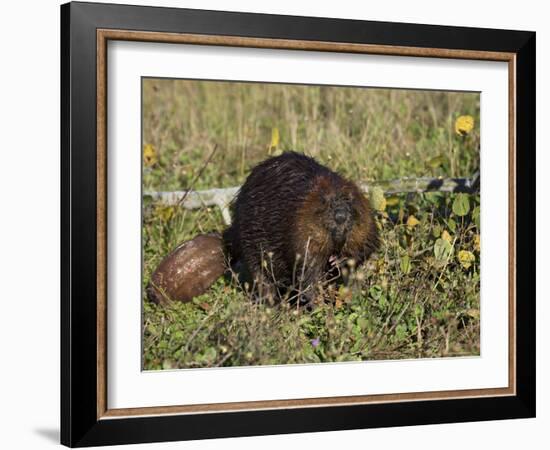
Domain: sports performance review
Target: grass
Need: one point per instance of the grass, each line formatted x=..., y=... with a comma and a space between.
x=418, y=297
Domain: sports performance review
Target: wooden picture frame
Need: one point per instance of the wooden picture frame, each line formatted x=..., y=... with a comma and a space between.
x=86, y=418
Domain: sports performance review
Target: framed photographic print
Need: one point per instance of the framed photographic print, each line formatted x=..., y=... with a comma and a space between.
x=277, y=224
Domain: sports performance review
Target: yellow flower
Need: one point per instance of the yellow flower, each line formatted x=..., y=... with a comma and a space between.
x=412, y=221
x=149, y=155
x=477, y=243
x=165, y=212
x=274, y=145
x=392, y=200
x=464, y=125
x=466, y=258
x=377, y=198
x=275, y=137
x=446, y=236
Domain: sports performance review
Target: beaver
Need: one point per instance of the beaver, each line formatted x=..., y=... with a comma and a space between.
x=292, y=220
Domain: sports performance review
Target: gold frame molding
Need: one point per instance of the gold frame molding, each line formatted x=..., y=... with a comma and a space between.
x=103, y=36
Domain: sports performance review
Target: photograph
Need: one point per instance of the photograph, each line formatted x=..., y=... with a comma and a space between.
x=276, y=224
x=304, y=224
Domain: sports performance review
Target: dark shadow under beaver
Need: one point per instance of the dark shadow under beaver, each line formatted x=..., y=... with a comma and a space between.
x=294, y=220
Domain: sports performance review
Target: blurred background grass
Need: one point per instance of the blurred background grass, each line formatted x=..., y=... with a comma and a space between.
x=364, y=134
x=414, y=300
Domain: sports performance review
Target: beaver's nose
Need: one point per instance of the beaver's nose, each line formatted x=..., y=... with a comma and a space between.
x=340, y=216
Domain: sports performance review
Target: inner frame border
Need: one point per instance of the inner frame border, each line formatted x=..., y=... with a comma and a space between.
x=103, y=36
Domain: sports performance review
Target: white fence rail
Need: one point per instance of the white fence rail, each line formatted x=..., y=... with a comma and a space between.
x=222, y=197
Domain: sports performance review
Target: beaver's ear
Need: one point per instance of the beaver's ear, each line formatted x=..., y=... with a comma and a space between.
x=322, y=185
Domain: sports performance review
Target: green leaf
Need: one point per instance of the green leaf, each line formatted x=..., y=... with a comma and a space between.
x=363, y=323
x=442, y=249
x=452, y=225
x=375, y=291
x=405, y=264
x=434, y=163
x=461, y=205
x=433, y=197
x=209, y=355
x=352, y=317
x=475, y=216
x=401, y=331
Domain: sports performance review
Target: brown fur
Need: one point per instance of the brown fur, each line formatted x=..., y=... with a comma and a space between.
x=292, y=217
x=361, y=239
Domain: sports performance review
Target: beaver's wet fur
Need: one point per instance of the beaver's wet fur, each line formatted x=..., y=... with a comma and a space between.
x=293, y=218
